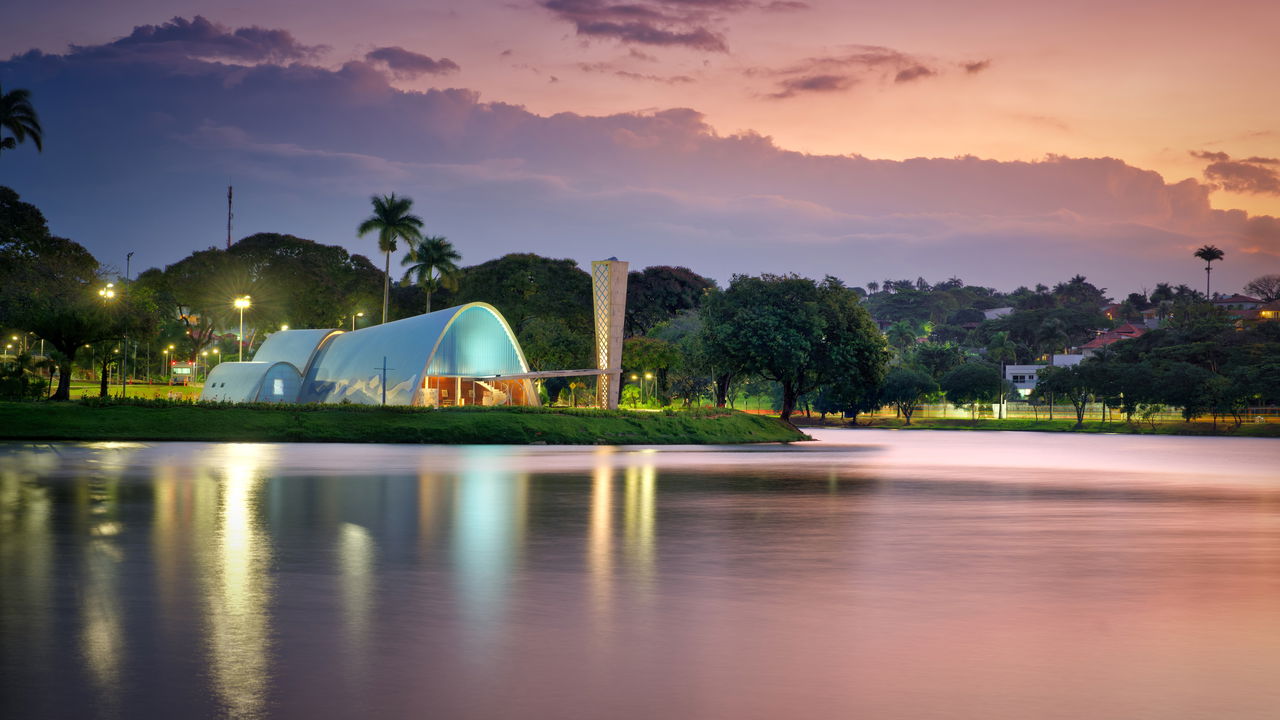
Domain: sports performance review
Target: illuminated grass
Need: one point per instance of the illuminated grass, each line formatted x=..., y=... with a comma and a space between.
x=158, y=420
x=1247, y=429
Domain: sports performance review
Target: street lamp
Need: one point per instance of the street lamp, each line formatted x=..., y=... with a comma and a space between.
x=108, y=292
x=241, y=304
x=648, y=376
x=353, y=320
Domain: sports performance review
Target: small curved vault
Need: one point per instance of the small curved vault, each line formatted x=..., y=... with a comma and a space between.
x=456, y=356
x=247, y=382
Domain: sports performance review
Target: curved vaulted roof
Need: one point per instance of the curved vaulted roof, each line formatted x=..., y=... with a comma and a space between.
x=471, y=340
x=296, y=347
x=246, y=382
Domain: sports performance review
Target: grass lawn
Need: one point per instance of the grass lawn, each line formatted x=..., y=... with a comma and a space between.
x=85, y=388
x=1248, y=429
x=142, y=420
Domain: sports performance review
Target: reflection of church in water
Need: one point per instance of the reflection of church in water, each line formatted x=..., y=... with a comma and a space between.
x=464, y=355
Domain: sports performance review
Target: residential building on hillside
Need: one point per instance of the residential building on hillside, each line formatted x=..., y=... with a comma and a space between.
x=1128, y=331
x=1237, y=302
x=1023, y=377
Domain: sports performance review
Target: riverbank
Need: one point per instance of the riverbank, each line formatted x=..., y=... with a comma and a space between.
x=1200, y=428
x=141, y=420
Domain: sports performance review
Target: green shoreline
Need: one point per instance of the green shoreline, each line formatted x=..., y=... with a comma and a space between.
x=160, y=420
x=1193, y=429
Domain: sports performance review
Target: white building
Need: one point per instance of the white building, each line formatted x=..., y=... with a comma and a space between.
x=1023, y=377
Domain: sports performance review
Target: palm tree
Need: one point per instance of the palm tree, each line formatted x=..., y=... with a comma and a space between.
x=902, y=335
x=432, y=262
x=1208, y=254
x=391, y=219
x=1053, y=335
x=19, y=118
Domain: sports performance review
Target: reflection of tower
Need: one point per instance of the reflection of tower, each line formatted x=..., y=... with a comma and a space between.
x=609, y=295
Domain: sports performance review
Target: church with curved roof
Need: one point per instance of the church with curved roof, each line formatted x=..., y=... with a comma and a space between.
x=464, y=355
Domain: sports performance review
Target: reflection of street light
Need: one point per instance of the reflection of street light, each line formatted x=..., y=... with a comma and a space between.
x=241, y=304
x=353, y=320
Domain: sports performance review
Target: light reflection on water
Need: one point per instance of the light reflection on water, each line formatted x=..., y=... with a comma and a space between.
x=873, y=574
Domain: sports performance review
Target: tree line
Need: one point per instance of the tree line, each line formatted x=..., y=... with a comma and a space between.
x=806, y=344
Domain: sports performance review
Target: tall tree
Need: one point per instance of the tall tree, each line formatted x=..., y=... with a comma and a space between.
x=1208, y=253
x=659, y=293
x=392, y=221
x=1264, y=287
x=795, y=332
x=1070, y=382
x=905, y=387
x=20, y=119
x=432, y=264
x=970, y=384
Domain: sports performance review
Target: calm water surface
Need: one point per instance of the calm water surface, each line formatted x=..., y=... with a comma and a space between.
x=873, y=574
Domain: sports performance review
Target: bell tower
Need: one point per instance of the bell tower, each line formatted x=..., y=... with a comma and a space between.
x=609, y=300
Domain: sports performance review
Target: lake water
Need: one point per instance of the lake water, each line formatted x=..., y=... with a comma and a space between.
x=872, y=574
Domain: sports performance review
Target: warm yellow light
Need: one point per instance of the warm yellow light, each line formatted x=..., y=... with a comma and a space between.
x=205, y=353
x=216, y=351
x=284, y=327
x=166, y=352
x=635, y=376
x=242, y=302
x=107, y=292
x=170, y=347
x=648, y=376
x=359, y=314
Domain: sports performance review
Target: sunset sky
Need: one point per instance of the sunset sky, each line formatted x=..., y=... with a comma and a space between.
x=1003, y=142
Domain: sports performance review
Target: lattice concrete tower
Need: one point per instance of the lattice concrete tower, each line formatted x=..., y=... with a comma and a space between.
x=609, y=293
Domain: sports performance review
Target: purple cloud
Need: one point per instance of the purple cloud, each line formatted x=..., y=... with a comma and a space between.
x=1211, y=156
x=831, y=73
x=199, y=38
x=406, y=64
x=915, y=72
x=813, y=83
x=677, y=23
x=973, y=68
x=1252, y=175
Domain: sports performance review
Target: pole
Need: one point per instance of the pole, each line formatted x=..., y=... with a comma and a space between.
x=384, y=370
x=228, y=217
x=241, y=343
x=124, y=358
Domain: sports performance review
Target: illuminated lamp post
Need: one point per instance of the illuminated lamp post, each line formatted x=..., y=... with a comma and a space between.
x=108, y=294
x=241, y=304
x=649, y=376
x=353, y=320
